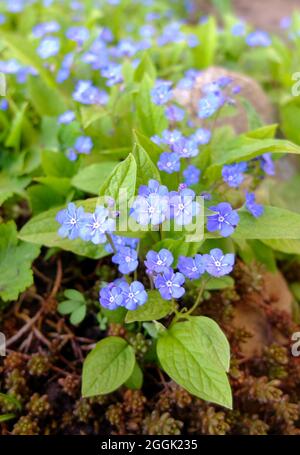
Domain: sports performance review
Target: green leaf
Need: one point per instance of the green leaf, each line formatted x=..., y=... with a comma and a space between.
x=151, y=118
x=187, y=354
x=135, y=381
x=15, y=262
x=43, y=198
x=22, y=49
x=178, y=247
x=155, y=308
x=6, y=417
x=45, y=99
x=91, y=178
x=215, y=284
x=68, y=306
x=42, y=230
x=275, y=223
x=107, y=367
x=146, y=169
x=122, y=177
x=78, y=315
x=56, y=164
x=284, y=246
x=116, y=316
x=11, y=185
x=14, y=136
x=73, y=294
x=145, y=66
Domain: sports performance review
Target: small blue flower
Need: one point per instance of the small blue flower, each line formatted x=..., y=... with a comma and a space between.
x=66, y=117
x=86, y=93
x=78, y=34
x=170, y=137
x=111, y=296
x=233, y=174
x=44, y=28
x=71, y=154
x=217, y=263
x=96, y=225
x=201, y=136
x=71, y=220
x=83, y=144
x=113, y=73
x=3, y=104
x=174, y=113
x=183, y=206
x=162, y=92
x=153, y=187
x=134, y=295
x=224, y=220
x=258, y=38
x=191, y=268
x=255, y=209
x=126, y=258
x=186, y=148
x=120, y=241
x=169, y=162
x=191, y=175
x=169, y=284
x=48, y=47
x=151, y=209
x=156, y=262
x=209, y=105
x=238, y=29
x=267, y=164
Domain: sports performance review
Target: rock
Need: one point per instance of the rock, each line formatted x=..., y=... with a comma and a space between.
x=250, y=90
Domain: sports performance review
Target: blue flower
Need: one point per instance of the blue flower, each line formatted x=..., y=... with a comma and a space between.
x=96, y=225
x=183, y=207
x=267, y=164
x=3, y=104
x=192, y=268
x=83, y=144
x=217, y=263
x=126, y=258
x=48, y=47
x=111, y=296
x=169, y=284
x=255, y=209
x=233, y=174
x=156, y=262
x=86, y=93
x=258, y=38
x=134, y=295
x=78, y=34
x=201, y=136
x=224, y=220
x=186, y=148
x=113, y=73
x=66, y=117
x=152, y=209
x=191, y=175
x=238, y=29
x=71, y=154
x=162, y=92
x=174, y=113
x=125, y=48
x=169, y=162
x=153, y=187
x=120, y=241
x=71, y=220
x=44, y=28
x=209, y=105
x=170, y=137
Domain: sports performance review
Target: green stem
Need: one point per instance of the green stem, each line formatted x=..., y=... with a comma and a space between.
x=110, y=241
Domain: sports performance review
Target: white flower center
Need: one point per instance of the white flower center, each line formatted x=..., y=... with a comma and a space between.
x=73, y=221
x=127, y=258
x=221, y=219
x=111, y=299
x=151, y=210
x=131, y=295
x=217, y=263
x=169, y=284
x=194, y=269
x=181, y=206
x=159, y=262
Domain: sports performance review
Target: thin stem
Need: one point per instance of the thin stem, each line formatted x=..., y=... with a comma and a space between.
x=110, y=241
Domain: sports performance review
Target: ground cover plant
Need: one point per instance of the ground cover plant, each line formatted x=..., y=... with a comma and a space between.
x=143, y=231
